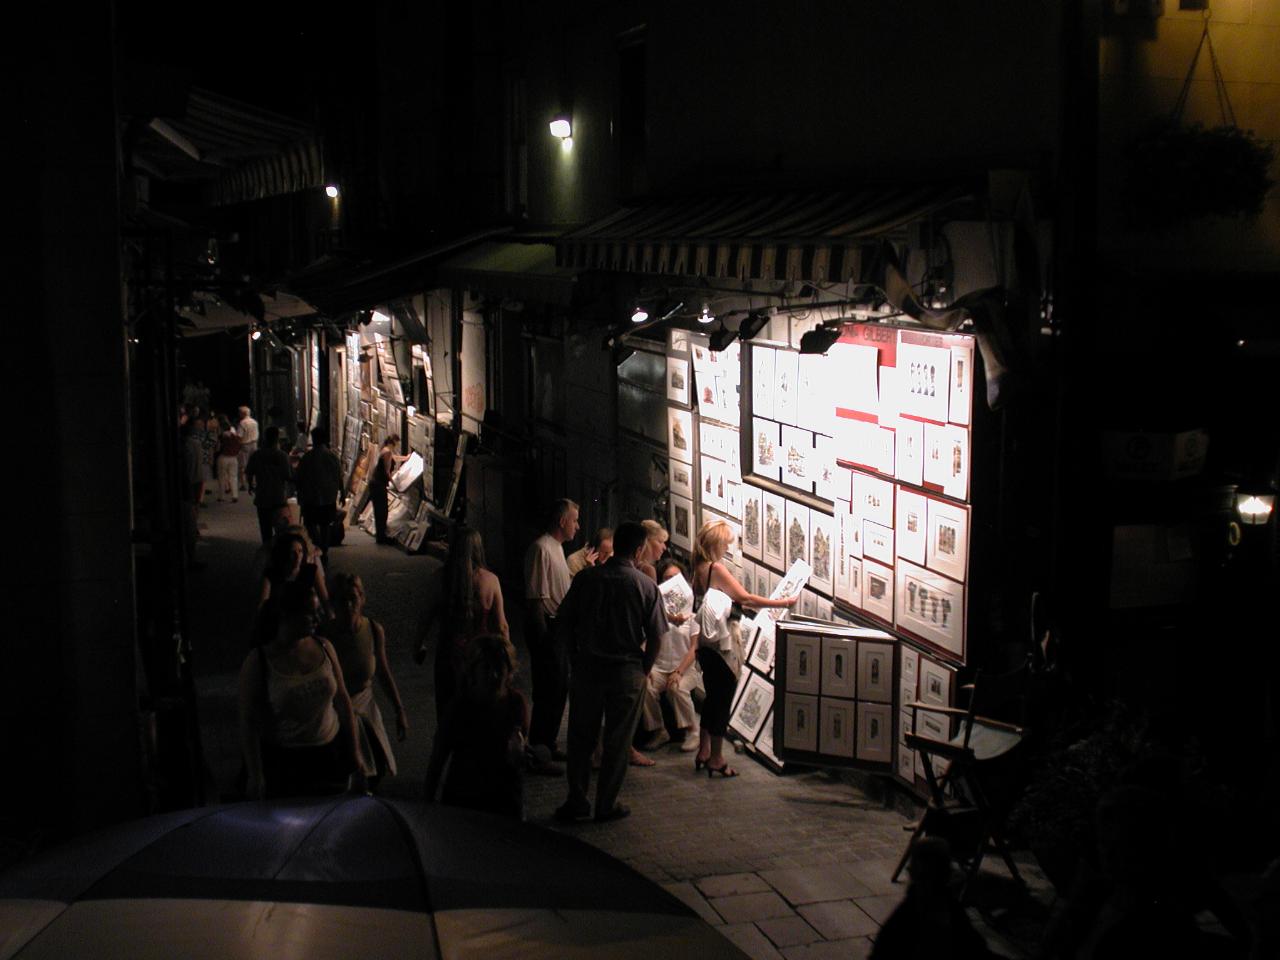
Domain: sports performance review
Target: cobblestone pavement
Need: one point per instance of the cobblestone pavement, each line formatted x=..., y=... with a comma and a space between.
x=793, y=866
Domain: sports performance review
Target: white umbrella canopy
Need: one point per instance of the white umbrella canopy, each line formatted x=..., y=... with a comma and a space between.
x=340, y=877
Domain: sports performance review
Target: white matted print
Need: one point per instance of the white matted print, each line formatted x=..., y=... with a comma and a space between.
x=924, y=380
x=708, y=393
x=762, y=381
x=909, y=452
x=753, y=707
x=931, y=607
x=678, y=380
x=678, y=342
x=796, y=458
x=824, y=608
x=839, y=667
x=766, y=451
x=906, y=764
x=680, y=437
x=797, y=533
x=752, y=522
x=804, y=663
x=786, y=375
x=681, y=530
x=827, y=476
x=877, y=542
x=852, y=592
x=680, y=478
x=948, y=540
x=712, y=483
x=800, y=723
x=872, y=499
x=762, y=652
x=816, y=407
x=908, y=670
x=961, y=384
x=774, y=551
x=808, y=605
x=875, y=671
x=732, y=497
x=764, y=743
x=935, y=683
x=823, y=552
x=946, y=459
x=883, y=452
x=875, y=732
x=911, y=529
x=840, y=573
x=836, y=736
x=877, y=590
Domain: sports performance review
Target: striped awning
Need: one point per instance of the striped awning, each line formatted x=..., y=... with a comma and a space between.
x=807, y=236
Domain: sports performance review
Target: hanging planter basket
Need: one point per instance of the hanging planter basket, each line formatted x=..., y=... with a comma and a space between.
x=1178, y=171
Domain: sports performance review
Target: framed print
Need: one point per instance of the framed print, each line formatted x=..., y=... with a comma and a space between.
x=808, y=605
x=744, y=677
x=822, y=555
x=711, y=483
x=752, y=522
x=836, y=736
x=935, y=683
x=877, y=590
x=875, y=732
x=961, y=383
x=761, y=656
x=824, y=608
x=908, y=670
x=855, y=371
x=681, y=529
x=931, y=607
x=815, y=405
x=839, y=663
x=804, y=662
x=762, y=381
x=732, y=498
x=677, y=595
x=786, y=372
x=748, y=580
x=753, y=707
x=840, y=562
x=709, y=439
x=790, y=584
x=910, y=528
x=826, y=475
x=852, y=593
x=772, y=580
x=800, y=723
x=680, y=434
x=883, y=451
x=904, y=724
x=935, y=726
x=946, y=460
x=948, y=540
x=873, y=499
x=909, y=452
x=875, y=671
x=678, y=380
x=852, y=533
x=680, y=478
x=924, y=384
x=764, y=744
x=796, y=459
x=678, y=342
x=708, y=393
x=906, y=765
x=797, y=536
x=774, y=521
x=877, y=542
x=766, y=460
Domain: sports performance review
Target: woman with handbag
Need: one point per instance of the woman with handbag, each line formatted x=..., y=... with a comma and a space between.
x=718, y=597
x=297, y=725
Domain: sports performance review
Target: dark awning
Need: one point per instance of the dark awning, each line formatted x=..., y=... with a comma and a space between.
x=815, y=235
x=520, y=271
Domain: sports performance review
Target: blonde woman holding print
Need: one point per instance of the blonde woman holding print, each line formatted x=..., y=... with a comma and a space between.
x=716, y=593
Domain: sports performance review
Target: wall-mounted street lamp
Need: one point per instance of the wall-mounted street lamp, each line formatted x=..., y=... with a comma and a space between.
x=639, y=315
x=256, y=334
x=331, y=191
x=562, y=126
x=1255, y=508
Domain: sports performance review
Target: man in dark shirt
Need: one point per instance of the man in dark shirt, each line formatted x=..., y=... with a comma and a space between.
x=612, y=622
x=319, y=481
x=268, y=469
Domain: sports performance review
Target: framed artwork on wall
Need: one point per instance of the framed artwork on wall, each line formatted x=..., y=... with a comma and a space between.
x=839, y=667
x=678, y=380
x=753, y=707
x=785, y=377
x=877, y=542
x=797, y=533
x=930, y=606
x=924, y=379
x=948, y=539
x=906, y=767
x=816, y=408
x=822, y=557
x=774, y=551
x=800, y=723
x=877, y=590
x=766, y=449
x=852, y=589
x=875, y=671
x=711, y=483
x=836, y=736
x=875, y=732
x=804, y=663
x=935, y=683
x=840, y=563
x=708, y=393
x=732, y=498
x=678, y=342
x=909, y=451
x=763, y=645
x=680, y=478
x=796, y=458
x=827, y=476
x=681, y=529
x=946, y=459
x=910, y=529
x=961, y=384
x=762, y=381
x=680, y=436
x=873, y=499
x=752, y=522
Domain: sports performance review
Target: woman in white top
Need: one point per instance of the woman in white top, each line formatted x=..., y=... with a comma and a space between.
x=676, y=674
x=297, y=726
x=715, y=591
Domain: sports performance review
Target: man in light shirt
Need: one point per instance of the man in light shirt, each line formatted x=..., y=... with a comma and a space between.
x=247, y=431
x=594, y=553
x=546, y=580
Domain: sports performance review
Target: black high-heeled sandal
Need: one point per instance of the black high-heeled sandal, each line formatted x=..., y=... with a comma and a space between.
x=699, y=763
x=723, y=771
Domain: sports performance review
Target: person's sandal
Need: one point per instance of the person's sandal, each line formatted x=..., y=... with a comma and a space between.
x=724, y=770
x=699, y=763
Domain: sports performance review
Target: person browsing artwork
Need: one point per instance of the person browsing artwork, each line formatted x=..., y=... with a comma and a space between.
x=546, y=581
x=380, y=480
x=593, y=553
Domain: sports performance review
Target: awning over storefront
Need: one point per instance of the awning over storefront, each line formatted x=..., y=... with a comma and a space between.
x=520, y=271
x=818, y=235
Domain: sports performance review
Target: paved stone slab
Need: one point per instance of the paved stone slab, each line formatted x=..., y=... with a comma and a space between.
x=727, y=885
x=816, y=883
x=788, y=931
x=748, y=938
x=839, y=919
x=858, y=948
x=688, y=894
x=875, y=874
x=751, y=906
x=879, y=908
